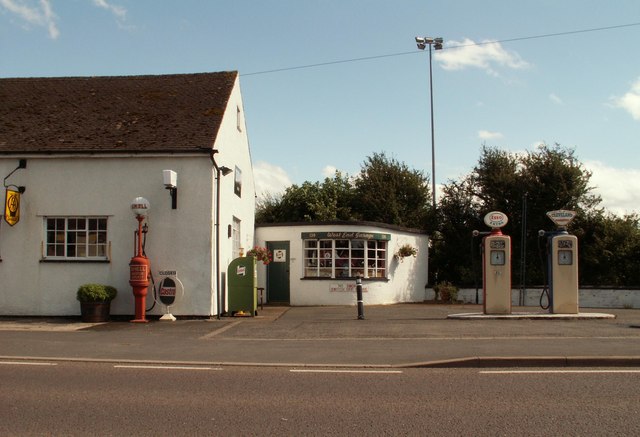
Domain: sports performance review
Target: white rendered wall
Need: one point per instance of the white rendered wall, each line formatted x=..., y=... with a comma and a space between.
x=105, y=186
x=405, y=282
x=233, y=146
x=587, y=297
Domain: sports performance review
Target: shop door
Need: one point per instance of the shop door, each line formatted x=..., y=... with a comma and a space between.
x=278, y=272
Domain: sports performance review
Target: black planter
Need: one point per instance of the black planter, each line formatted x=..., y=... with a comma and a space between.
x=95, y=312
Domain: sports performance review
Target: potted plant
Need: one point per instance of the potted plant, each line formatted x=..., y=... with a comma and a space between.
x=447, y=291
x=95, y=302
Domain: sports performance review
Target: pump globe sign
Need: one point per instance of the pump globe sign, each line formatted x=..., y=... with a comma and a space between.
x=140, y=206
x=561, y=217
x=495, y=219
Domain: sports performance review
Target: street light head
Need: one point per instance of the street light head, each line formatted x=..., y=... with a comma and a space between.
x=419, y=40
x=438, y=40
x=422, y=45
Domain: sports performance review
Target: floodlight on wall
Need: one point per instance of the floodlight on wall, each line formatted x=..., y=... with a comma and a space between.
x=170, y=179
x=225, y=170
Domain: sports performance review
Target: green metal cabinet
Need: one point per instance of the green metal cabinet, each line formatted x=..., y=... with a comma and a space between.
x=242, y=278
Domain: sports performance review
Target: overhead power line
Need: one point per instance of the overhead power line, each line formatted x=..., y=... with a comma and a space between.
x=413, y=52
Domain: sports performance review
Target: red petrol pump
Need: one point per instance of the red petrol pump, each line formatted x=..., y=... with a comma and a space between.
x=139, y=266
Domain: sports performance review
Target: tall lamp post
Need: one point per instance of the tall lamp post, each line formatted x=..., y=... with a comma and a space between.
x=422, y=43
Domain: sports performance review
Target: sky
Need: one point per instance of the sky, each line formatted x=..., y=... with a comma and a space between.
x=327, y=83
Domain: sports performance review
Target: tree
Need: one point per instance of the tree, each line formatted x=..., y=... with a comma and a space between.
x=546, y=179
x=310, y=201
x=387, y=191
x=609, y=248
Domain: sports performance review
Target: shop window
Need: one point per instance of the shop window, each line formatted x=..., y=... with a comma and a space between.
x=76, y=238
x=345, y=258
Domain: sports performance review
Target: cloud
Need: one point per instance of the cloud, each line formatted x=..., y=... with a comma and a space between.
x=270, y=179
x=630, y=102
x=487, y=135
x=618, y=187
x=118, y=11
x=329, y=171
x=40, y=14
x=484, y=55
x=555, y=99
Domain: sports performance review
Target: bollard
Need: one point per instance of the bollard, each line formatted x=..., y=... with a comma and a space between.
x=359, y=297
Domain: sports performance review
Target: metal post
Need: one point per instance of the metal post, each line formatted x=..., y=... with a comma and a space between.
x=359, y=297
x=433, y=142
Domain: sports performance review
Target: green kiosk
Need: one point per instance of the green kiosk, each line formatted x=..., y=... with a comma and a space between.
x=242, y=278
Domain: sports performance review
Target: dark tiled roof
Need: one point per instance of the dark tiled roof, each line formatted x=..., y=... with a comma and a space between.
x=169, y=113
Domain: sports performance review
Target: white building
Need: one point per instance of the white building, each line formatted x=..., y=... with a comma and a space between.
x=93, y=144
x=318, y=263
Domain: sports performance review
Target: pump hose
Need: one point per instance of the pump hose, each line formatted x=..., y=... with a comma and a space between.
x=153, y=282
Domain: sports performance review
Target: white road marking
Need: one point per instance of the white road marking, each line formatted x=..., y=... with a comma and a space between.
x=129, y=366
x=516, y=372
x=27, y=363
x=344, y=371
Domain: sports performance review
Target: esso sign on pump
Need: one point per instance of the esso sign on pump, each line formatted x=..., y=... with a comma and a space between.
x=495, y=219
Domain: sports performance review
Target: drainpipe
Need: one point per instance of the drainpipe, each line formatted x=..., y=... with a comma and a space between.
x=217, y=233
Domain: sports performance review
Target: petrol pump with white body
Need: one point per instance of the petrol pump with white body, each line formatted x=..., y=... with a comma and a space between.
x=496, y=265
x=562, y=264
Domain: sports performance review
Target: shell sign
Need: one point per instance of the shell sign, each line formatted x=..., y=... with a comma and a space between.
x=12, y=207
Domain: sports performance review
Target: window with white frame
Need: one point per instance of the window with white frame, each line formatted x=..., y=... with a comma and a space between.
x=239, y=121
x=76, y=238
x=345, y=258
x=235, y=235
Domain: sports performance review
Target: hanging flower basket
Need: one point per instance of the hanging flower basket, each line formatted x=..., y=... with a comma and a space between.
x=261, y=254
x=405, y=251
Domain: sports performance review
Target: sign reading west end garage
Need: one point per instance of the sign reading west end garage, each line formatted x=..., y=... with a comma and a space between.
x=351, y=235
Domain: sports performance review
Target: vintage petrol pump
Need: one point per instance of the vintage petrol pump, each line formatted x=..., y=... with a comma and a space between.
x=139, y=267
x=496, y=265
x=562, y=264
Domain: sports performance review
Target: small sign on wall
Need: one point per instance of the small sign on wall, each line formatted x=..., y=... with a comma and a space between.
x=279, y=255
x=351, y=288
